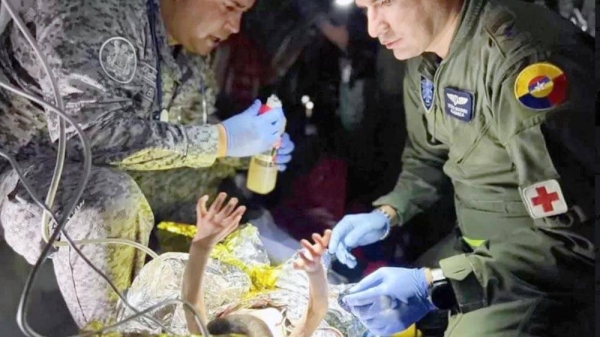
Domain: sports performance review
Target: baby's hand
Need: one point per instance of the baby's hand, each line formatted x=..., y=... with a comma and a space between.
x=309, y=258
x=218, y=221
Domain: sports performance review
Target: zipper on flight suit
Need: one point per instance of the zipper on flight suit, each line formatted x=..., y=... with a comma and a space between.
x=435, y=85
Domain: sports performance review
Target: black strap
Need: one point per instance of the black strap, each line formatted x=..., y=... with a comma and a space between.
x=469, y=294
x=152, y=11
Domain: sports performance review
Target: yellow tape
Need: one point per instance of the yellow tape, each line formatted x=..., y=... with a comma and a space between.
x=178, y=228
x=263, y=277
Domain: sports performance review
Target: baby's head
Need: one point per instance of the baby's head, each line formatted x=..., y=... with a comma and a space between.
x=267, y=322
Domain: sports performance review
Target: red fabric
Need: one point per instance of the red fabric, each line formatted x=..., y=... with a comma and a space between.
x=317, y=201
x=373, y=266
x=245, y=71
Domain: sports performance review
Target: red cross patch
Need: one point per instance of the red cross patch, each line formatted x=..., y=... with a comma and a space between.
x=544, y=199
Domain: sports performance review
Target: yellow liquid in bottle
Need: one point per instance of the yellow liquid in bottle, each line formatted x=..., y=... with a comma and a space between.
x=262, y=174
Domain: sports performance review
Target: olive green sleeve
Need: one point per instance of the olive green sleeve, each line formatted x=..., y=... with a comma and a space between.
x=422, y=180
x=555, y=254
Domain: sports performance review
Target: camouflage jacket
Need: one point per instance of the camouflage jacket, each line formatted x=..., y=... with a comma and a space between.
x=104, y=58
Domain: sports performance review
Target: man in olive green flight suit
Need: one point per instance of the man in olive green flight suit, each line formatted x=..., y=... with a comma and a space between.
x=499, y=99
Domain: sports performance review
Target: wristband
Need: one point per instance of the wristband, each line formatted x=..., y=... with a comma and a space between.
x=388, y=226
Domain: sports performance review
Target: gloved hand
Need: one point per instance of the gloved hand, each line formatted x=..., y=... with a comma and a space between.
x=249, y=134
x=390, y=300
x=354, y=231
x=284, y=153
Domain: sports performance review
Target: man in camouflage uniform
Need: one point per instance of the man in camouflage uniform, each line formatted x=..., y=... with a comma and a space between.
x=499, y=99
x=125, y=71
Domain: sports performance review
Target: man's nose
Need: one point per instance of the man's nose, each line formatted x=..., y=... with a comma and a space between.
x=374, y=22
x=233, y=24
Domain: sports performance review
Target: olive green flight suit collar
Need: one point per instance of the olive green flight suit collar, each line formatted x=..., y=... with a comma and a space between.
x=470, y=11
x=469, y=18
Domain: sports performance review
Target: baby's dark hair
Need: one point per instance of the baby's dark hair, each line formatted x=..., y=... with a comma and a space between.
x=242, y=324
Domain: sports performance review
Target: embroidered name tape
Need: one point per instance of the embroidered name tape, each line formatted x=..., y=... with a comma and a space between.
x=458, y=104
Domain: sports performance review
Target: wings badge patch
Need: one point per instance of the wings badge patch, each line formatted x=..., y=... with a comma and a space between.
x=458, y=104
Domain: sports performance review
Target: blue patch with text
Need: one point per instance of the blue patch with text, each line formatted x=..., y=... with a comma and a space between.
x=458, y=104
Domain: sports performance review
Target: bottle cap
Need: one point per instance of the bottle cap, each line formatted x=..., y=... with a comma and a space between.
x=272, y=102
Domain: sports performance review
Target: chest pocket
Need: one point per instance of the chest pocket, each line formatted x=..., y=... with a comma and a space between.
x=476, y=151
x=468, y=136
x=438, y=128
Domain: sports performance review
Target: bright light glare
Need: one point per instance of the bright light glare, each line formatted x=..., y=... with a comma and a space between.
x=310, y=105
x=343, y=3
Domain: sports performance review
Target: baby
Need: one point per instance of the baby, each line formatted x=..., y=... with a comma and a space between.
x=213, y=225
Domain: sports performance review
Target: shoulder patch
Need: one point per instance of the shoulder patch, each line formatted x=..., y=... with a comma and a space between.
x=427, y=93
x=501, y=25
x=498, y=20
x=118, y=59
x=541, y=86
x=544, y=199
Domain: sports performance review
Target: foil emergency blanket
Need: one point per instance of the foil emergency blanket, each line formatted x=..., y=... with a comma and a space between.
x=238, y=275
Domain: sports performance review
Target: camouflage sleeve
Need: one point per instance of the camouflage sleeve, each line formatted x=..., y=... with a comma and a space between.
x=150, y=145
x=421, y=182
x=112, y=111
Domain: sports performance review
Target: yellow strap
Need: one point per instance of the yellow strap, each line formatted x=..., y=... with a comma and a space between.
x=474, y=243
x=410, y=332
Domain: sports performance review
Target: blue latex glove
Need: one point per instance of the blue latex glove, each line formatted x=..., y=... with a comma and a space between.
x=390, y=300
x=249, y=134
x=284, y=153
x=354, y=231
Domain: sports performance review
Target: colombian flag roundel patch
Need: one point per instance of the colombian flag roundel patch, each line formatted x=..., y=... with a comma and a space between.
x=541, y=86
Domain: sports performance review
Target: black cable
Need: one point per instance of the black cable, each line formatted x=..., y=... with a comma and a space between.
x=24, y=303
x=38, y=201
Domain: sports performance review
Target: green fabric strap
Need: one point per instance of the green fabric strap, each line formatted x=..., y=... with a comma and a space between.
x=474, y=243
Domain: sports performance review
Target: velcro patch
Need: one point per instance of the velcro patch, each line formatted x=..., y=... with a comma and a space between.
x=502, y=27
x=458, y=104
x=541, y=86
x=118, y=59
x=544, y=199
x=427, y=93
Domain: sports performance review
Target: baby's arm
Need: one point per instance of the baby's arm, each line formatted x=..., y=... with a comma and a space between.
x=213, y=226
x=310, y=262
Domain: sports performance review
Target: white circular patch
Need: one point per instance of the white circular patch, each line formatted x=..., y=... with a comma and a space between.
x=118, y=59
